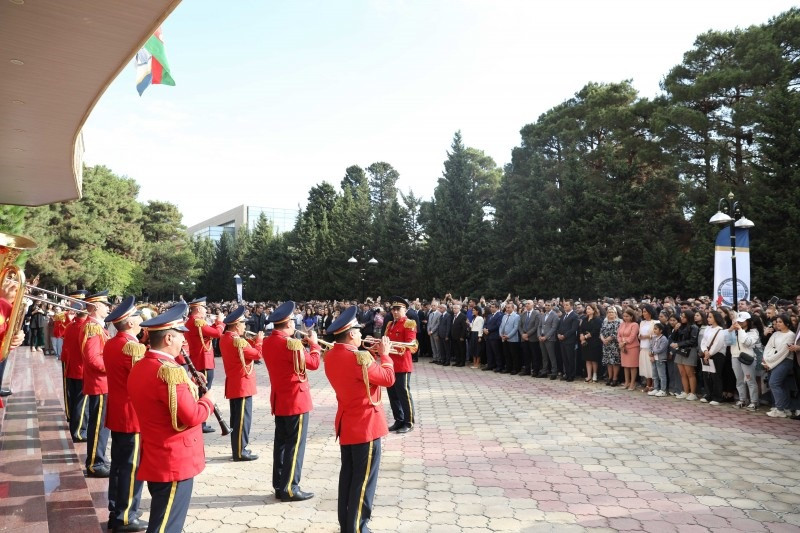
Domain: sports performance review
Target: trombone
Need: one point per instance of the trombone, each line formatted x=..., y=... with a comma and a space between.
x=395, y=347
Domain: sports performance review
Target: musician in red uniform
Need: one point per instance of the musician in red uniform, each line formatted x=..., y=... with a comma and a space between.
x=199, y=338
x=401, y=329
x=360, y=423
x=287, y=362
x=60, y=321
x=93, y=337
x=7, y=294
x=62, y=328
x=119, y=355
x=72, y=360
x=169, y=413
x=238, y=357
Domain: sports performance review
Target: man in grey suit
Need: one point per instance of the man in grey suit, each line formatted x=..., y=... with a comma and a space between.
x=547, y=340
x=433, y=332
x=528, y=331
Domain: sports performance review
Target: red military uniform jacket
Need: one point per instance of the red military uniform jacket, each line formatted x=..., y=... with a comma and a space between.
x=357, y=420
x=403, y=330
x=5, y=311
x=120, y=414
x=290, y=393
x=60, y=323
x=167, y=454
x=200, y=350
x=71, y=351
x=93, y=340
x=240, y=380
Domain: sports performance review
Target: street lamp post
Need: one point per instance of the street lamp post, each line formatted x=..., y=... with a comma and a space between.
x=238, y=279
x=729, y=212
x=359, y=259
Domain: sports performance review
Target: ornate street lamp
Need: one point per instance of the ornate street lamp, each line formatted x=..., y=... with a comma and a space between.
x=729, y=212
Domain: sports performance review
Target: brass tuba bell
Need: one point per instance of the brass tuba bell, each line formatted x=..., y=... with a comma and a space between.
x=11, y=246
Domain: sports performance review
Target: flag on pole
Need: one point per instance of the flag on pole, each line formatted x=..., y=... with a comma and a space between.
x=723, y=273
x=151, y=64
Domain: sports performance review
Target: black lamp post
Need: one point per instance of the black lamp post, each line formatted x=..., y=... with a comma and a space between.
x=359, y=260
x=729, y=212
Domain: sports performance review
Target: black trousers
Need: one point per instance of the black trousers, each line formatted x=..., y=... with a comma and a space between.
x=459, y=351
x=97, y=433
x=536, y=355
x=288, y=452
x=169, y=505
x=358, y=480
x=241, y=417
x=713, y=382
x=494, y=354
x=2, y=369
x=447, y=351
x=209, y=374
x=78, y=409
x=525, y=347
x=511, y=354
x=400, y=399
x=568, y=357
x=124, y=490
x=67, y=400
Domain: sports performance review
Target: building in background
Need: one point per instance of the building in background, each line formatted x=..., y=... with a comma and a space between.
x=243, y=216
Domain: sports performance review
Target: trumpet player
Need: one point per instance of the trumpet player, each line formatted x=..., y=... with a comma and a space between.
x=360, y=422
x=199, y=338
x=72, y=361
x=238, y=357
x=93, y=337
x=401, y=329
x=287, y=362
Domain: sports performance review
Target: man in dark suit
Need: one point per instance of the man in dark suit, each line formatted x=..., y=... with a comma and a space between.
x=445, y=326
x=548, y=325
x=528, y=328
x=491, y=332
x=458, y=334
x=568, y=338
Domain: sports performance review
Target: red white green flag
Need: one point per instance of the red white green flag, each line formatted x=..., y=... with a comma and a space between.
x=151, y=64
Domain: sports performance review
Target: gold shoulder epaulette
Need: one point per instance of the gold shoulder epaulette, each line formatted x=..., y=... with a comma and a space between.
x=294, y=344
x=410, y=323
x=239, y=342
x=59, y=317
x=363, y=357
x=199, y=322
x=134, y=350
x=173, y=375
x=93, y=329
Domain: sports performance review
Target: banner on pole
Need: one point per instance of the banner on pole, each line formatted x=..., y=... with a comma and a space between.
x=723, y=276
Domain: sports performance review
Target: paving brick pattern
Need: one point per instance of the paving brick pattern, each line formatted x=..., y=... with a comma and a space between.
x=511, y=453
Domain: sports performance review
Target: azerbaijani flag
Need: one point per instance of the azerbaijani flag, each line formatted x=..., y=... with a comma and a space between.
x=151, y=64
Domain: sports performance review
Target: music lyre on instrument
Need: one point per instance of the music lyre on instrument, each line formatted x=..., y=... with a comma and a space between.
x=11, y=246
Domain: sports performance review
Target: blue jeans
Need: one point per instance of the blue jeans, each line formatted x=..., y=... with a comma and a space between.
x=779, y=383
x=660, y=375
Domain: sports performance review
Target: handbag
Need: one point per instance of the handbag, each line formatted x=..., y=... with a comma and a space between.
x=746, y=359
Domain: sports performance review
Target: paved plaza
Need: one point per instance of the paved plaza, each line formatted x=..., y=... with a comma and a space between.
x=495, y=452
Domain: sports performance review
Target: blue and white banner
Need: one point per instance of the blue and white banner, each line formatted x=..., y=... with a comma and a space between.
x=238, y=289
x=723, y=275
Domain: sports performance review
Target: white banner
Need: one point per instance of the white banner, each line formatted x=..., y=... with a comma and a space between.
x=238, y=289
x=723, y=275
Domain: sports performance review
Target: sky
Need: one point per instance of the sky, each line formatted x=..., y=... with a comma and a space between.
x=273, y=97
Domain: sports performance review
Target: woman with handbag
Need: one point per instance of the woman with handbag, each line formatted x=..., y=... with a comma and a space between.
x=684, y=344
x=744, y=338
x=712, y=348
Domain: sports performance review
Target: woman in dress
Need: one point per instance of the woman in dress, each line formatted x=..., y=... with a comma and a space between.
x=628, y=338
x=591, y=344
x=608, y=336
x=685, y=350
x=645, y=334
x=476, y=336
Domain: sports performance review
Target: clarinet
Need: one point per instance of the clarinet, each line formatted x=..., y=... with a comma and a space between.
x=201, y=385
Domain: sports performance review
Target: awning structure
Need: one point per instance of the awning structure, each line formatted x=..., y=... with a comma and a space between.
x=57, y=58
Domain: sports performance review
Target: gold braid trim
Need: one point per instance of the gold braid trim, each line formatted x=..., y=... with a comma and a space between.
x=410, y=323
x=59, y=317
x=365, y=359
x=93, y=329
x=240, y=344
x=200, y=323
x=135, y=351
x=299, y=357
x=174, y=375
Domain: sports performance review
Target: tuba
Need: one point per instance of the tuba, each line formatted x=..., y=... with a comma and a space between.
x=11, y=246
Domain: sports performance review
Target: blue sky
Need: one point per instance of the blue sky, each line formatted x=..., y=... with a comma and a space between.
x=274, y=97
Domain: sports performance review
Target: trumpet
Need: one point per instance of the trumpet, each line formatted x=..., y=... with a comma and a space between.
x=395, y=347
x=325, y=345
x=11, y=246
x=250, y=335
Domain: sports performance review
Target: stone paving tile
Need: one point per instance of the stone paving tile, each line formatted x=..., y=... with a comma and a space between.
x=498, y=453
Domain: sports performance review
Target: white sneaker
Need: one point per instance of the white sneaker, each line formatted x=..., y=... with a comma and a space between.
x=703, y=400
x=654, y=391
x=691, y=397
x=774, y=408
x=683, y=395
x=752, y=406
x=739, y=404
x=778, y=413
x=714, y=402
x=660, y=394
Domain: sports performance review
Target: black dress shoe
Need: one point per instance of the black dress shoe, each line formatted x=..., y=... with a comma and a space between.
x=398, y=425
x=78, y=439
x=5, y=392
x=208, y=429
x=406, y=428
x=136, y=524
x=544, y=374
x=486, y=368
x=297, y=496
x=553, y=377
x=448, y=364
x=99, y=471
x=247, y=457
